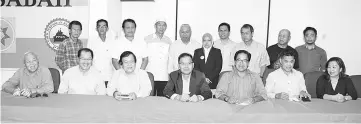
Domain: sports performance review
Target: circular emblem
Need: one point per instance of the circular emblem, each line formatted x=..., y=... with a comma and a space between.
x=56, y=32
x=7, y=34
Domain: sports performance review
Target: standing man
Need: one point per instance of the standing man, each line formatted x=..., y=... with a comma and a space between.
x=208, y=60
x=284, y=37
x=129, y=42
x=66, y=55
x=258, y=51
x=311, y=57
x=225, y=45
x=100, y=46
x=158, y=47
x=184, y=45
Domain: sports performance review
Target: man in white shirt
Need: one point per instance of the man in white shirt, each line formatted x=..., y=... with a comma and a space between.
x=286, y=82
x=83, y=78
x=100, y=46
x=225, y=45
x=158, y=47
x=260, y=59
x=129, y=83
x=184, y=45
x=129, y=42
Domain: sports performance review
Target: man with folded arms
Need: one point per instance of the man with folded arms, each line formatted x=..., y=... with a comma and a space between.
x=241, y=86
x=30, y=79
x=286, y=83
x=84, y=78
x=129, y=82
x=187, y=84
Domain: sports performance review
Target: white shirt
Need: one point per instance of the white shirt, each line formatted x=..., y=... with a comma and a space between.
x=177, y=48
x=259, y=55
x=277, y=82
x=158, y=50
x=137, y=46
x=206, y=53
x=226, y=53
x=74, y=81
x=138, y=82
x=102, y=57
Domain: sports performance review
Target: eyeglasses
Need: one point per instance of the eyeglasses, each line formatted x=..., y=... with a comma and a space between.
x=185, y=64
x=243, y=61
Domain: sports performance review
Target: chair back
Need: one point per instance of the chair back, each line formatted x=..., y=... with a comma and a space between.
x=356, y=79
x=151, y=77
x=311, y=81
x=266, y=72
x=55, y=74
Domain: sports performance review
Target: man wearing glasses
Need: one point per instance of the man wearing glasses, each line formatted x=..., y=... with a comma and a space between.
x=186, y=84
x=83, y=78
x=241, y=86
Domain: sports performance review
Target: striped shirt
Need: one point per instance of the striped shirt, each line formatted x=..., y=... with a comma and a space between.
x=233, y=85
x=66, y=55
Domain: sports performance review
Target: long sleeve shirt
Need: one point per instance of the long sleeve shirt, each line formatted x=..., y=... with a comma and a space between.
x=344, y=86
x=233, y=85
x=39, y=81
x=137, y=82
x=67, y=54
x=76, y=82
x=278, y=82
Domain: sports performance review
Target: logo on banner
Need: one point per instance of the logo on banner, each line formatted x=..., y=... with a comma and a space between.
x=7, y=33
x=56, y=32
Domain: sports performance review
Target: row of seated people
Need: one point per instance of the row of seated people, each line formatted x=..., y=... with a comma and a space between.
x=239, y=86
x=158, y=55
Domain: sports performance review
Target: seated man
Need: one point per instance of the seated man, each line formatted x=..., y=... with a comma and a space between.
x=31, y=79
x=83, y=78
x=241, y=86
x=129, y=82
x=286, y=82
x=187, y=84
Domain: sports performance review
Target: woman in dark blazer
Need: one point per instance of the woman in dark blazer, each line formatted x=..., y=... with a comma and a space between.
x=334, y=84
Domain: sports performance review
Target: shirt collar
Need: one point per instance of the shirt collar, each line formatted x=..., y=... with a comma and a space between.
x=207, y=50
x=26, y=71
x=310, y=47
x=235, y=72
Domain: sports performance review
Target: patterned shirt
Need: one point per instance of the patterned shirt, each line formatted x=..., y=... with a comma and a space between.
x=66, y=55
x=241, y=88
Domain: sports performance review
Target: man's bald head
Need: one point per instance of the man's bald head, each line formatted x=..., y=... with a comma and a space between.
x=31, y=61
x=185, y=32
x=284, y=37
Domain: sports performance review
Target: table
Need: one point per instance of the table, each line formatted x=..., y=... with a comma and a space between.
x=62, y=108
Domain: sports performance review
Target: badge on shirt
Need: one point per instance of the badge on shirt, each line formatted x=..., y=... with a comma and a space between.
x=202, y=57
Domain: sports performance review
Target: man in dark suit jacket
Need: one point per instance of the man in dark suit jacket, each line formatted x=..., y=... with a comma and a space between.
x=187, y=84
x=208, y=60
